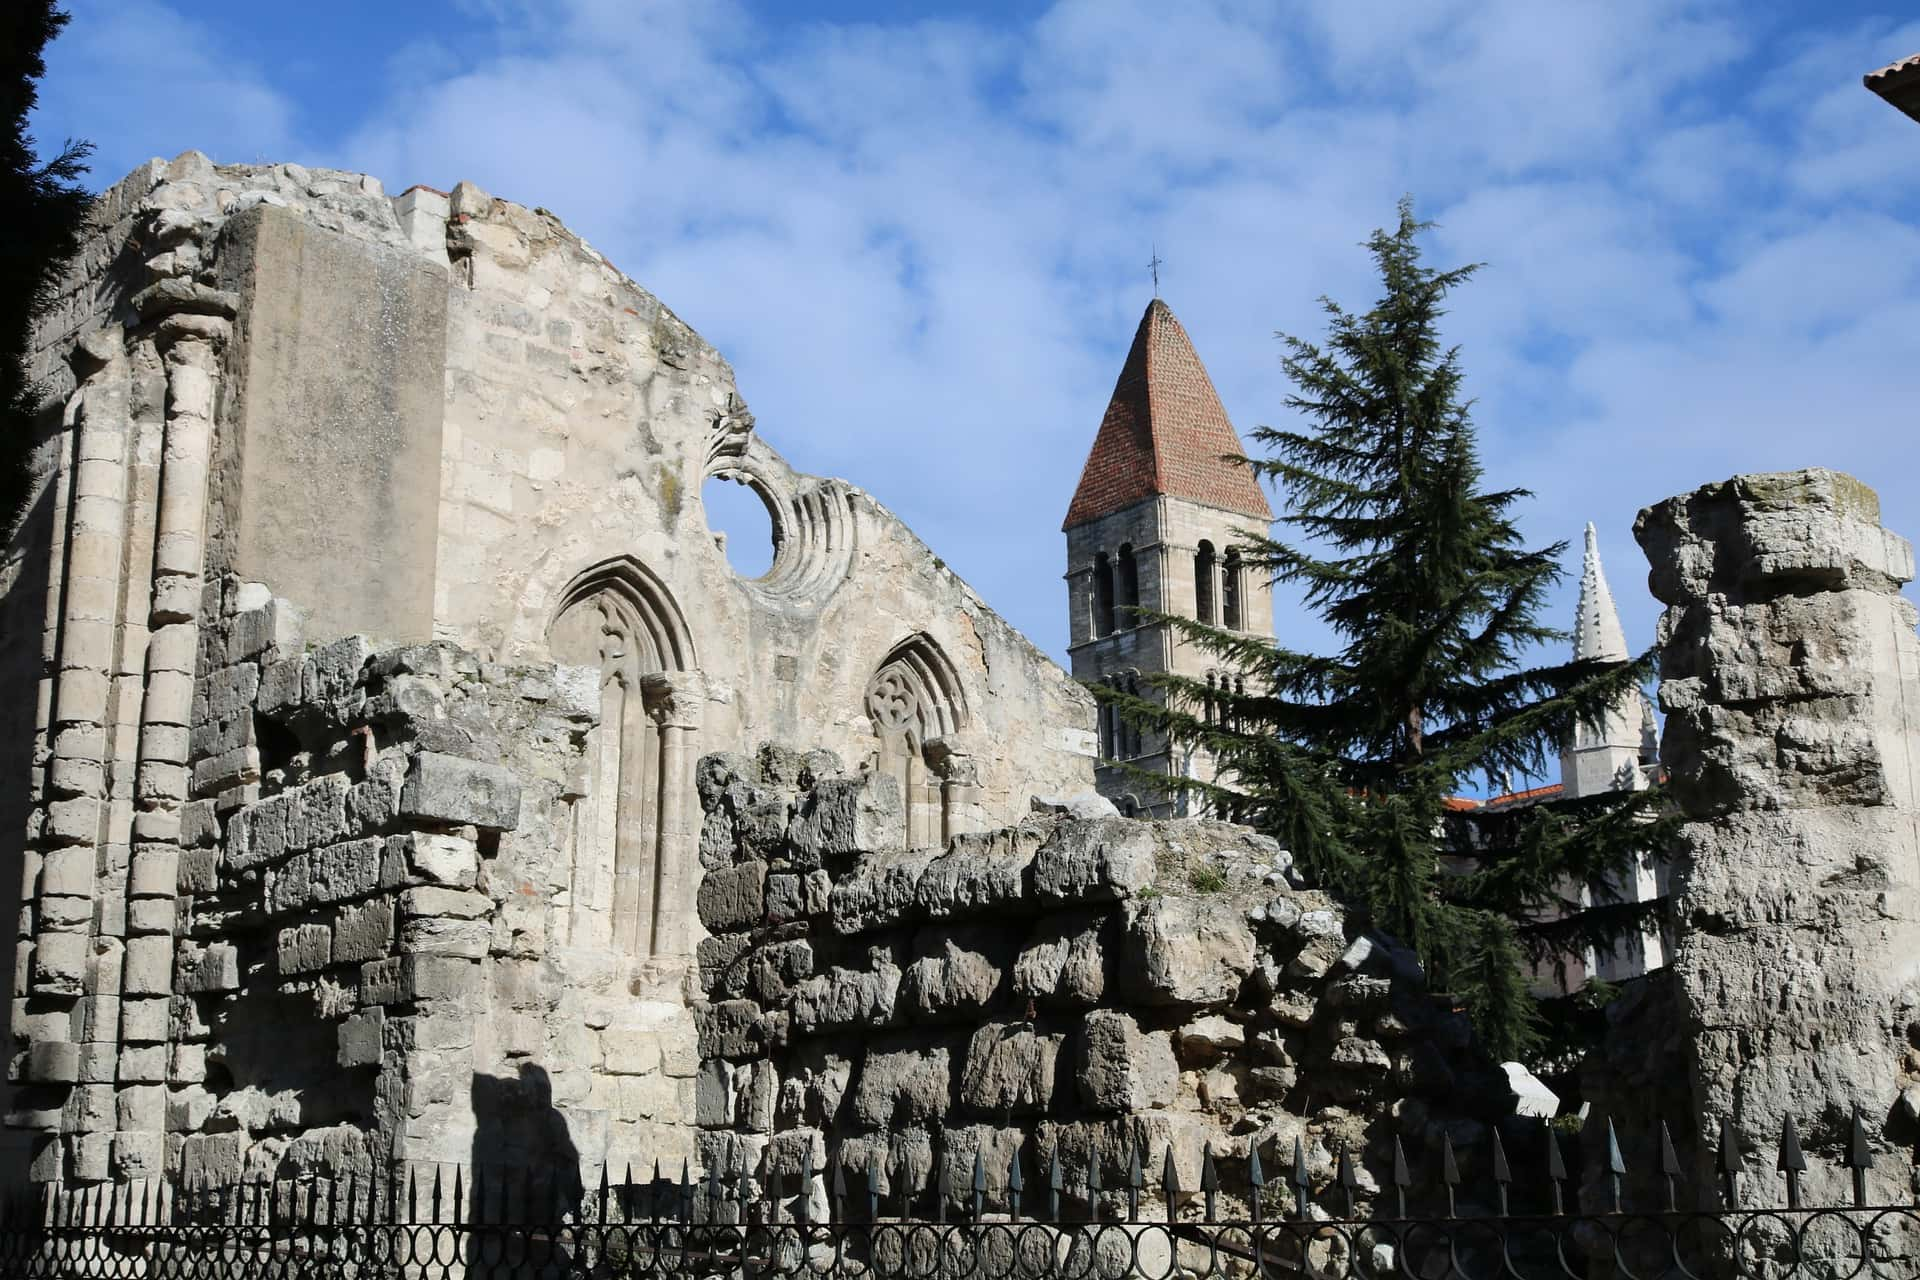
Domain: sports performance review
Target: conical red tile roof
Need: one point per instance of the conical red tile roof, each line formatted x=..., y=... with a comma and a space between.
x=1165, y=432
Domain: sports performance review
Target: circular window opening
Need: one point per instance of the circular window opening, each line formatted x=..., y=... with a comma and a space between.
x=741, y=522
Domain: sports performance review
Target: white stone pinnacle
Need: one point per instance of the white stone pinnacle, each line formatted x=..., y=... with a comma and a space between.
x=1596, y=624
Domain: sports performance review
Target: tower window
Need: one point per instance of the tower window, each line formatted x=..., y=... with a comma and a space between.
x=1230, y=589
x=1102, y=595
x=1203, y=583
x=1129, y=584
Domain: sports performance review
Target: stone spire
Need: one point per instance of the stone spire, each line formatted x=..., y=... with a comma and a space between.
x=1596, y=623
x=1602, y=756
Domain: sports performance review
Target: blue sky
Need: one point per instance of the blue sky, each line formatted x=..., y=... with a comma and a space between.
x=920, y=232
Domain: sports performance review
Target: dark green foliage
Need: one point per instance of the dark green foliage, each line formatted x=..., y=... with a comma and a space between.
x=41, y=207
x=1349, y=758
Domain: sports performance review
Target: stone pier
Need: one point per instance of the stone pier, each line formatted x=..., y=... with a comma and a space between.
x=1790, y=679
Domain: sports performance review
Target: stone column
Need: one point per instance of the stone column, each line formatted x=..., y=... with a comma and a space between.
x=960, y=794
x=1790, y=678
x=161, y=780
x=676, y=700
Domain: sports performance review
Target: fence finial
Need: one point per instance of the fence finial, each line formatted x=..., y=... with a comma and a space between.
x=1791, y=1162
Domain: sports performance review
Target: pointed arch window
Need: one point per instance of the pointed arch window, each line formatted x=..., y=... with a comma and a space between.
x=1203, y=570
x=916, y=704
x=1102, y=595
x=1230, y=591
x=630, y=884
x=1129, y=585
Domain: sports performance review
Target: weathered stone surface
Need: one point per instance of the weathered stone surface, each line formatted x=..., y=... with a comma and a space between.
x=847, y=816
x=733, y=897
x=1065, y=960
x=1095, y=861
x=447, y=789
x=846, y=997
x=1790, y=678
x=1008, y=1070
x=1120, y=1067
x=1187, y=950
x=882, y=890
x=901, y=1087
x=979, y=872
x=955, y=973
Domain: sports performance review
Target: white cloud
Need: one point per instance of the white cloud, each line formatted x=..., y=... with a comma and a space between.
x=140, y=79
x=923, y=243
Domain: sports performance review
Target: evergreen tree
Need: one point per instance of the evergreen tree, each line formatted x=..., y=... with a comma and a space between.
x=1350, y=758
x=41, y=206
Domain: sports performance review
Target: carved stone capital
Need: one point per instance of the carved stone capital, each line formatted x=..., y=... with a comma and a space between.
x=675, y=699
x=952, y=765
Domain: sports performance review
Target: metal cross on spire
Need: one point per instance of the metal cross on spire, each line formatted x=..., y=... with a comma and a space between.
x=1153, y=265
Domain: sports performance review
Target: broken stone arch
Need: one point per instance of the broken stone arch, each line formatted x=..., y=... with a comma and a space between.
x=812, y=518
x=917, y=705
x=632, y=840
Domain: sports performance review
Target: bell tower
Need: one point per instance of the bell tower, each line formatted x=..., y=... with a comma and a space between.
x=1157, y=523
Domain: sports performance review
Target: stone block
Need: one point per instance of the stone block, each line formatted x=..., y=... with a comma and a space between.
x=360, y=1038
x=985, y=871
x=215, y=967
x=441, y=858
x=845, y=998
x=53, y=1062
x=955, y=973
x=902, y=1087
x=455, y=904
x=350, y=869
x=879, y=892
x=318, y=812
x=363, y=931
x=796, y=896
x=730, y=1029
x=304, y=948
x=1120, y=1068
x=1186, y=951
x=412, y=979
x=842, y=817
x=1101, y=860
x=148, y=967
x=733, y=897
x=1008, y=1070
x=257, y=834
x=440, y=936
x=1065, y=961
x=443, y=788
x=775, y=968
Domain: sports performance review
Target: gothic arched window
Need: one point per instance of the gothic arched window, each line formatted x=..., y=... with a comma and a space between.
x=1102, y=595
x=631, y=882
x=1203, y=582
x=913, y=699
x=1230, y=590
x=1129, y=584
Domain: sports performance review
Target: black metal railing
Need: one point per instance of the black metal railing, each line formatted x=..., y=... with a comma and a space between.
x=434, y=1223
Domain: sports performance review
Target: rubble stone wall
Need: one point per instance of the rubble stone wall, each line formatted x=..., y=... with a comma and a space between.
x=1790, y=678
x=1052, y=987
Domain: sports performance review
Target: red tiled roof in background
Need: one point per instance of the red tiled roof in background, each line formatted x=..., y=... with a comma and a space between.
x=1165, y=433
x=1512, y=799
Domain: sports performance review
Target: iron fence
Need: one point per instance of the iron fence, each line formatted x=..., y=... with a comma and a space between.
x=1039, y=1222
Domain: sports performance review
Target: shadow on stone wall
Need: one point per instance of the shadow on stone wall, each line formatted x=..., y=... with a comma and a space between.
x=524, y=1157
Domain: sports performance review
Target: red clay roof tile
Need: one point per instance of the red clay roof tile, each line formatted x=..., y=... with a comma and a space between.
x=1165, y=432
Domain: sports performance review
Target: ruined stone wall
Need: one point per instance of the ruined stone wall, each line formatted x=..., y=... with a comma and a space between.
x=284, y=403
x=1790, y=678
x=1052, y=987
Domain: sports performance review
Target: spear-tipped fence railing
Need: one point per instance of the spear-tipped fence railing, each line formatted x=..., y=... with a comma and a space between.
x=1468, y=1215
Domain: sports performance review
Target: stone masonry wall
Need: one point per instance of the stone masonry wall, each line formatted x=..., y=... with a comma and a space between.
x=1790, y=678
x=355, y=961
x=1051, y=987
